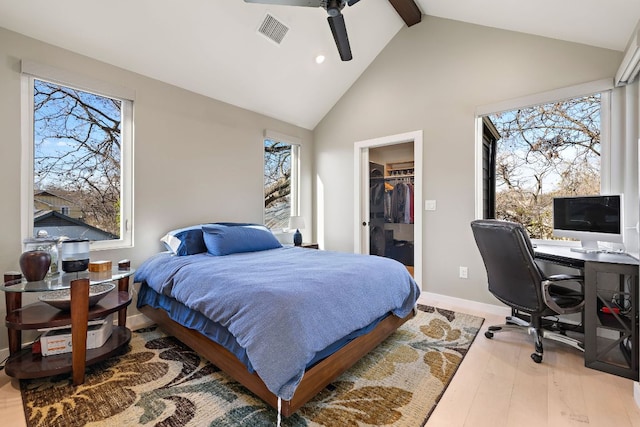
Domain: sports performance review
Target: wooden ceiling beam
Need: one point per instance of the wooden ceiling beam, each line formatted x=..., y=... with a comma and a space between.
x=408, y=11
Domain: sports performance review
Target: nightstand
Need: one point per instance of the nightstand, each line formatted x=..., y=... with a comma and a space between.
x=23, y=363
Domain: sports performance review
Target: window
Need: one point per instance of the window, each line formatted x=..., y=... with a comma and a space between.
x=532, y=154
x=281, y=183
x=79, y=163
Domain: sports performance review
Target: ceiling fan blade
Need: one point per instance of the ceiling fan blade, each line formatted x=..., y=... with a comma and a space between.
x=352, y=2
x=408, y=11
x=308, y=3
x=339, y=31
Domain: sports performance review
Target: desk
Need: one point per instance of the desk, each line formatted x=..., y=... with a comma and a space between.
x=611, y=282
x=563, y=255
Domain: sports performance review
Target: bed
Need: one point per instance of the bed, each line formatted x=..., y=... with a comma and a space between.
x=282, y=321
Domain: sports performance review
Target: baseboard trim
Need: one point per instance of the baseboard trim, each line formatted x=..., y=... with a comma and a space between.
x=446, y=301
x=4, y=355
x=139, y=321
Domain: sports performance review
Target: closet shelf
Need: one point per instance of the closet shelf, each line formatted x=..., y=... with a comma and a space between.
x=399, y=169
x=392, y=177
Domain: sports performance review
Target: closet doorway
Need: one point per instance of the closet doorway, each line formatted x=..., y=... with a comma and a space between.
x=388, y=176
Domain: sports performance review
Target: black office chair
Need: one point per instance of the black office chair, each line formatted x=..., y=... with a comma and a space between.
x=516, y=280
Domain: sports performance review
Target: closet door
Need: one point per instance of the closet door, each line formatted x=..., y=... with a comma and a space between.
x=399, y=220
x=375, y=234
x=376, y=209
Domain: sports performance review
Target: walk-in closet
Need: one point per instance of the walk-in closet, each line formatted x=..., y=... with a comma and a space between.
x=391, y=202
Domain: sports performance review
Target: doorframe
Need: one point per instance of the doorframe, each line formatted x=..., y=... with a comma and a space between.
x=361, y=191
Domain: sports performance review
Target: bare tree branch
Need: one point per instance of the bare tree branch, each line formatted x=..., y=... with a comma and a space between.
x=545, y=151
x=78, y=150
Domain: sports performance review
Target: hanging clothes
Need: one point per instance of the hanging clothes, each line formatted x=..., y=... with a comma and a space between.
x=377, y=189
x=411, y=188
x=406, y=217
x=398, y=199
x=387, y=205
x=398, y=204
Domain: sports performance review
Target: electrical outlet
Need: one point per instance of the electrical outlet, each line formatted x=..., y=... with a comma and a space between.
x=464, y=273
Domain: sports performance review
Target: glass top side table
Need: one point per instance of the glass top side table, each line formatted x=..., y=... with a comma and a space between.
x=23, y=363
x=63, y=280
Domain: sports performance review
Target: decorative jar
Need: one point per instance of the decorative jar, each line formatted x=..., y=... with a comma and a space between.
x=45, y=244
x=35, y=265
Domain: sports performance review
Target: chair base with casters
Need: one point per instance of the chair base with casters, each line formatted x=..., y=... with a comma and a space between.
x=513, y=323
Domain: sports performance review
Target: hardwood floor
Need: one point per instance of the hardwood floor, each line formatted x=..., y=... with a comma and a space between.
x=497, y=385
x=11, y=412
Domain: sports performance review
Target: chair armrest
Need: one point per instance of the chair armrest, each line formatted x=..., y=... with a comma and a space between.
x=566, y=277
x=550, y=302
x=557, y=278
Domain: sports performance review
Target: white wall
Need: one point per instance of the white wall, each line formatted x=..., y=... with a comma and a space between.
x=432, y=76
x=196, y=159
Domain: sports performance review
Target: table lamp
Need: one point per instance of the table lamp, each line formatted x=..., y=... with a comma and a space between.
x=296, y=222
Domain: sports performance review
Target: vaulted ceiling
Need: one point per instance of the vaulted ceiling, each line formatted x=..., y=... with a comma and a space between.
x=212, y=47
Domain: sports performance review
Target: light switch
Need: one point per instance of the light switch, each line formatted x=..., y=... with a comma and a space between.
x=429, y=205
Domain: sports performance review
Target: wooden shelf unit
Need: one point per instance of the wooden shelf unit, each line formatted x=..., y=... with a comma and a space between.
x=399, y=169
x=26, y=365
x=23, y=363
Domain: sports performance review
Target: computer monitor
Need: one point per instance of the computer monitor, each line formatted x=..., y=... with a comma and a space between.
x=589, y=219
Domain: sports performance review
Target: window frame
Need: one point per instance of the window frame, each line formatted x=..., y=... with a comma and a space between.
x=32, y=71
x=296, y=148
x=604, y=87
x=489, y=149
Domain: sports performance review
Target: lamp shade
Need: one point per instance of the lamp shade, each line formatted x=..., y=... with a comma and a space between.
x=296, y=222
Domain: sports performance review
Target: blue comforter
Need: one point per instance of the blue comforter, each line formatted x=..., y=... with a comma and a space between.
x=284, y=305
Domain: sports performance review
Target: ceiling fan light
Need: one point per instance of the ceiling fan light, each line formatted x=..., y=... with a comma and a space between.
x=320, y=59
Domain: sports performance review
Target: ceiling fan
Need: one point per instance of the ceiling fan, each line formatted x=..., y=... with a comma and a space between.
x=407, y=10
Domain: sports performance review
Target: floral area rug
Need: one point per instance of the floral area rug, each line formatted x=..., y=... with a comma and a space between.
x=161, y=382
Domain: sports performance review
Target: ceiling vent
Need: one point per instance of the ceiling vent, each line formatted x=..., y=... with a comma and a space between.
x=273, y=29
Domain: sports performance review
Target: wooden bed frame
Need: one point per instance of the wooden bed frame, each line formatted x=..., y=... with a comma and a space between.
x=315, y=378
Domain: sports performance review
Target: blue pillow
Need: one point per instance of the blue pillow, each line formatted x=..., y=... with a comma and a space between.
x=185, y=241
x=225, y=240
x=189, y=240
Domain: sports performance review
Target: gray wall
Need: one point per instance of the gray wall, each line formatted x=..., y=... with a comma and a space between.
x=431, y=77
x=196, y=159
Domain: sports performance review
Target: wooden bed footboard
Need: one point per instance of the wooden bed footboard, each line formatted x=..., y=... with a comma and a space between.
x=315, y=378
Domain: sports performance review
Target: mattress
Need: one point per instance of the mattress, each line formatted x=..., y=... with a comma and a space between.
x=217, y=333
x=283, y=306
